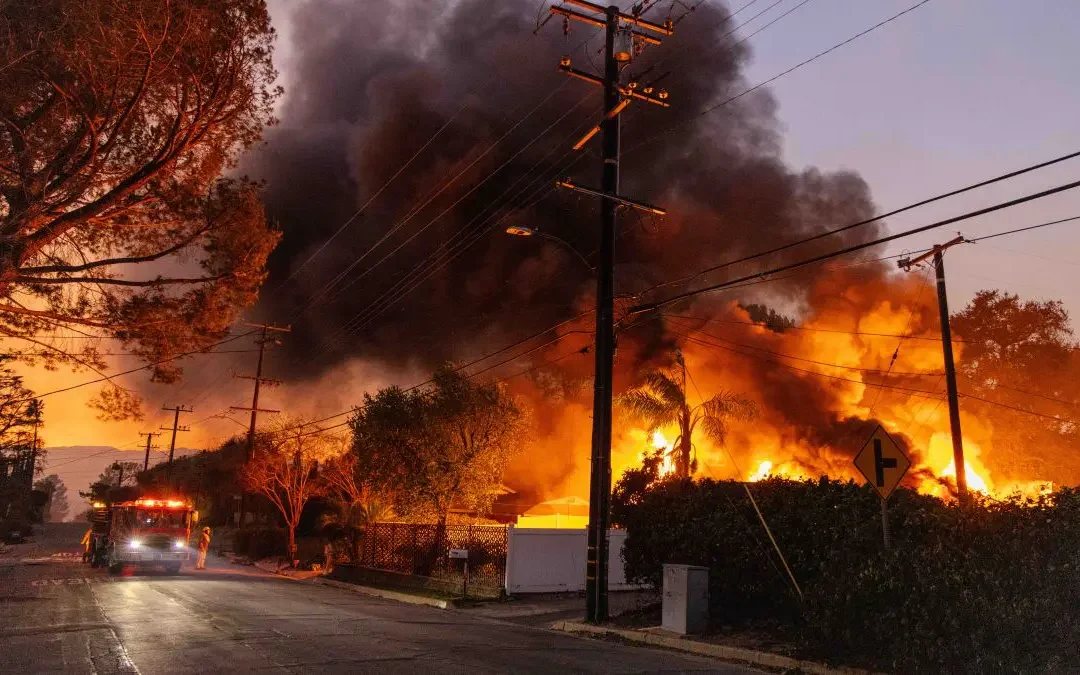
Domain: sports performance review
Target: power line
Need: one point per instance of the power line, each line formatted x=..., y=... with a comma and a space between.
x=859, y=247
x=450, y=250
x=42, y=354
x=382, y=299
x=401, y=223
x=776, y=77
x=804, y=328
x=1021, y=229
x=551, y=362
x=918, y=392
x=456, y=369
x=998, y=385
x=874, y=371
x=374, y=196
x=128, y=372
x=882, y=216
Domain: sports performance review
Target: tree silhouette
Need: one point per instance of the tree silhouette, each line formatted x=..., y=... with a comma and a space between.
x=285, y=469
x=117, y=118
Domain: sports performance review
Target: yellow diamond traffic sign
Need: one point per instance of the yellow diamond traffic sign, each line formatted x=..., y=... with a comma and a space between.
x=882, y=462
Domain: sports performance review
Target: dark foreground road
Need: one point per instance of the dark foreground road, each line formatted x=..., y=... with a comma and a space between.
x=57, y=615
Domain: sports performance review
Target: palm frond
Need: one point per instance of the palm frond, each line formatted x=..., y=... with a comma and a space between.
x=665, y=387
x=648, y=407
x=723, y=408
x=730, y=405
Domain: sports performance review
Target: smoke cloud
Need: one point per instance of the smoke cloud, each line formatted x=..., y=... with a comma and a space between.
x=367, y=89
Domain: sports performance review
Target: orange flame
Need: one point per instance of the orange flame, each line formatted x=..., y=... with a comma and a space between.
x=660, y=442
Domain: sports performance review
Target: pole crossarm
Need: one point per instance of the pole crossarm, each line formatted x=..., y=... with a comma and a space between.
x=593, y=21
x=630, y=92
x=633, y=203
x=265, y=410
x=269, y=381
x=907, y=263
x=666, y=28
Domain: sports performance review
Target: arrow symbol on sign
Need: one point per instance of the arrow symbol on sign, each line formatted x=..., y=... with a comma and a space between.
x=881, y=463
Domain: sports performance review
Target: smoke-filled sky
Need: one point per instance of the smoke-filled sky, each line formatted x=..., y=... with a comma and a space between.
x=949, y=94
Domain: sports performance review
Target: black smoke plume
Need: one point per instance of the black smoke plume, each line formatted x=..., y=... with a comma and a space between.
x=368, y=86
x=366, y=89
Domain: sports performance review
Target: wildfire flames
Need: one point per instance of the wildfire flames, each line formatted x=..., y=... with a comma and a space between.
x=819, y=394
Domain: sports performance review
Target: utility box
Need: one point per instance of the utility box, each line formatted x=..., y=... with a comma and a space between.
x=686, y=599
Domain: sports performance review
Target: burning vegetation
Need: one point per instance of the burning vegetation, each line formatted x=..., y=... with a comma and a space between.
x=858, y=358
x=423, y=276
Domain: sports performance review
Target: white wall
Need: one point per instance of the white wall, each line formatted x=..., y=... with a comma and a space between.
x=553, y=560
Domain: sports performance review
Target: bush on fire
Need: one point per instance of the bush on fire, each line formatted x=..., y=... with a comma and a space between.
x=995, y=588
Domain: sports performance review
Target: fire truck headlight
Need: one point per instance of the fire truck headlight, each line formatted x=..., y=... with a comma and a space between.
x=134, y=543
x=179, y=543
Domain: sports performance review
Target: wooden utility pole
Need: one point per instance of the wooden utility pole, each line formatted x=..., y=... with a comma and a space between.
x=149, y=438
x=263, y=340
x=176, y=410
x=950, y=366
x=621, y=44
x=36, y=405
x=259, y=380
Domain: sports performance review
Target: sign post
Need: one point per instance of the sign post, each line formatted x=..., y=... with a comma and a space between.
x=883, y=464
x=462, y=554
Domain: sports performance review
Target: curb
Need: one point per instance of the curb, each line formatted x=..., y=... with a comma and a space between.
x=388, y=594
x=727, y=653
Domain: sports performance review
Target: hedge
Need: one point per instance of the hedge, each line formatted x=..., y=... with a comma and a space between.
x=991, y=588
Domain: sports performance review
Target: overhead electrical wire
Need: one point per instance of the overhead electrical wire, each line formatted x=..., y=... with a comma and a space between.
x=774, y=78
x=473, y=189
x=375, y=196
x=874, y=371
x=882, y=216
x=930, y=394
x=128, y=372
x=913, y=391
x=858, y=247
x=449, y=250
x=779, y=329
x=413, y=212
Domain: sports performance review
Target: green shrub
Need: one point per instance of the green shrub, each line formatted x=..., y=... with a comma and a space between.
x=994, y=588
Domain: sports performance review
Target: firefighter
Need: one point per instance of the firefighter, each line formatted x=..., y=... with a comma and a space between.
x=328, y=557
x=204, y=546
x=87, y=543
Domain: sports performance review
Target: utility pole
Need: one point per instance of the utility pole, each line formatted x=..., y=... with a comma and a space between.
x=175, y=427
x=149, y=438
x=621, y=43
x=264, y=339
x=950, y=366
x=36, y=404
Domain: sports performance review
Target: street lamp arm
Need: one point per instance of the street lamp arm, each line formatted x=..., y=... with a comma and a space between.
x=565, y=244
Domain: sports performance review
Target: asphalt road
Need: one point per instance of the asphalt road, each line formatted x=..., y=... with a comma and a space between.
x=59, y=616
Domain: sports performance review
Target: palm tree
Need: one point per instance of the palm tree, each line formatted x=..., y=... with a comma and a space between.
x=661, y=399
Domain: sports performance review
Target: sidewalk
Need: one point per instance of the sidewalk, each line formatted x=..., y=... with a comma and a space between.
x=657, y=637
x=543, y=610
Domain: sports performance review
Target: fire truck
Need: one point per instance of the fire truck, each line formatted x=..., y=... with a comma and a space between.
x=143, y=533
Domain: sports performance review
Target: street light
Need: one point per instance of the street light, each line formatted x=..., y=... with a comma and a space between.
x=522, y=231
